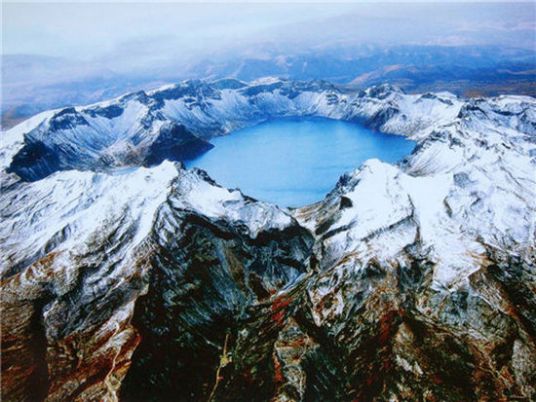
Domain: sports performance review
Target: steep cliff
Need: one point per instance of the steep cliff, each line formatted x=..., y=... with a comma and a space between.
x=124, y=278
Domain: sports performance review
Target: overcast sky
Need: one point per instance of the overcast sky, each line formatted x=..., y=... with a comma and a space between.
x=93, y=30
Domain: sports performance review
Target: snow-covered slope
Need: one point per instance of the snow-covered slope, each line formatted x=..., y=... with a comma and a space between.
x=174, y=122
x=406, y=282
x=470, y=184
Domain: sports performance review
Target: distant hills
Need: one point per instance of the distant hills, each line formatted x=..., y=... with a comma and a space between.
x=32, y=83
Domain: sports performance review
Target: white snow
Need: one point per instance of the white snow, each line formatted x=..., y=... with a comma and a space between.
x=195, y=193
x=471, y=182
x=81, y=205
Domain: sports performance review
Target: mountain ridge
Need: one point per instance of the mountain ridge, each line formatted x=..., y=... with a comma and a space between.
x=407, y=281
x=109, y=133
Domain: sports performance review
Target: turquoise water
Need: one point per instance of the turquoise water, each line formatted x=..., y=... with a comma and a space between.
x=295, y=162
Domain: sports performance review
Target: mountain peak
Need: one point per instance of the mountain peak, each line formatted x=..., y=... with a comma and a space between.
x=405, y=280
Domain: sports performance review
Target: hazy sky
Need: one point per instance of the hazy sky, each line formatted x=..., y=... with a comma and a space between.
x=96, y=28
x=102, y=30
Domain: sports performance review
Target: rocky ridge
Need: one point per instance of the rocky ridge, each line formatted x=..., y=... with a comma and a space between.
x=127, y=278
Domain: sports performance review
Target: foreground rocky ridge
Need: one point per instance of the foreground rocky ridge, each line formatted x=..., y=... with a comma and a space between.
x=410, y=282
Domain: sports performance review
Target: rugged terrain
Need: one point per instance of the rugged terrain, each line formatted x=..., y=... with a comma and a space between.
x=34, y=83
x=127, y=277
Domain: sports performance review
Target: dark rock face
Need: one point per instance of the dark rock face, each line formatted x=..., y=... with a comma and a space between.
x=380, y=118
x=39, y=158
x=414, y=282
x=194, y=89
x=382, y=91
x=207, y=286
x=34, y=162
x=67, y=118
x=109, y=112
x=209, y=331
x=175, y=143
x=224, y=320
x=71, y=322
x=394, y=348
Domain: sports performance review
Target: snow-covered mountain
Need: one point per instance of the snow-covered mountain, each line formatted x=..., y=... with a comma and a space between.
x=175, y=122
x=127, y=276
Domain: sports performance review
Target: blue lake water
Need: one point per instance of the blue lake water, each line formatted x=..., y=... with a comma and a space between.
x=295, y=162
